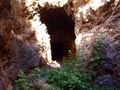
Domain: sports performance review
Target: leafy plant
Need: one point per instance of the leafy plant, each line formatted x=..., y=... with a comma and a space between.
x=98, y=50
x=24, y=81
x=72, y=76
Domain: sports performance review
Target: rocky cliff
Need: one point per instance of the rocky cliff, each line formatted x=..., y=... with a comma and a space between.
x=33, y=32
x=93, y=17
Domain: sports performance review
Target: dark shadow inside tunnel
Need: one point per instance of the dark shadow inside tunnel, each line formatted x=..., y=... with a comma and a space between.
x=60, y=26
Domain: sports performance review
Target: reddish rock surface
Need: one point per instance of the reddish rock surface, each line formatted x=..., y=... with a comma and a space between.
x=25, y=43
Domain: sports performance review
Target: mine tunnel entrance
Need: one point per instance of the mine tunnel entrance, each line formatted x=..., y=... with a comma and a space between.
x=60, y=26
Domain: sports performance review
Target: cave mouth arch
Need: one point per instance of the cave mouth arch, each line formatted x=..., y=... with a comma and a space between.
x=60, y=26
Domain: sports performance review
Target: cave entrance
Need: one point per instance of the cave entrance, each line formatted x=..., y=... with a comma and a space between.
x=60, y=26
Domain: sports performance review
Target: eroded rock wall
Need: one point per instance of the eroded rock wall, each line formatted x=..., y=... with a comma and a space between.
x=24, y=40
x=92, y=18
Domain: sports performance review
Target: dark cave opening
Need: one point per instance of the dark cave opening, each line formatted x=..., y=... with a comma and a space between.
x=60, y=26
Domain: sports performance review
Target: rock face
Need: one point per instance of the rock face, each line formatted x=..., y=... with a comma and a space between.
x=27, y=35
x=24, y=40
x=108, y=80
x=15, y=42
x=92, y=18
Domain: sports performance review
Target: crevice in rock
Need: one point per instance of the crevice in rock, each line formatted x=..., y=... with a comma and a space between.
x=60, y=26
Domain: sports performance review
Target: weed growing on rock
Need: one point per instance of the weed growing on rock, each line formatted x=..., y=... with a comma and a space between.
x=22, y=83
x=73, y=76
x=97, y=51
x=25, y=82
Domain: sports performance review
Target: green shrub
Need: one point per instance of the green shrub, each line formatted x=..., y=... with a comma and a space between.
x=24, y=81
x=72, y=77
x=97, y=51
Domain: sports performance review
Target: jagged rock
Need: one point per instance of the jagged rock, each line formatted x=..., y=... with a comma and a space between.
x=41, y=84
x=54, y=64
x=104, y=17
x=107, y=67
x=107, y=80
